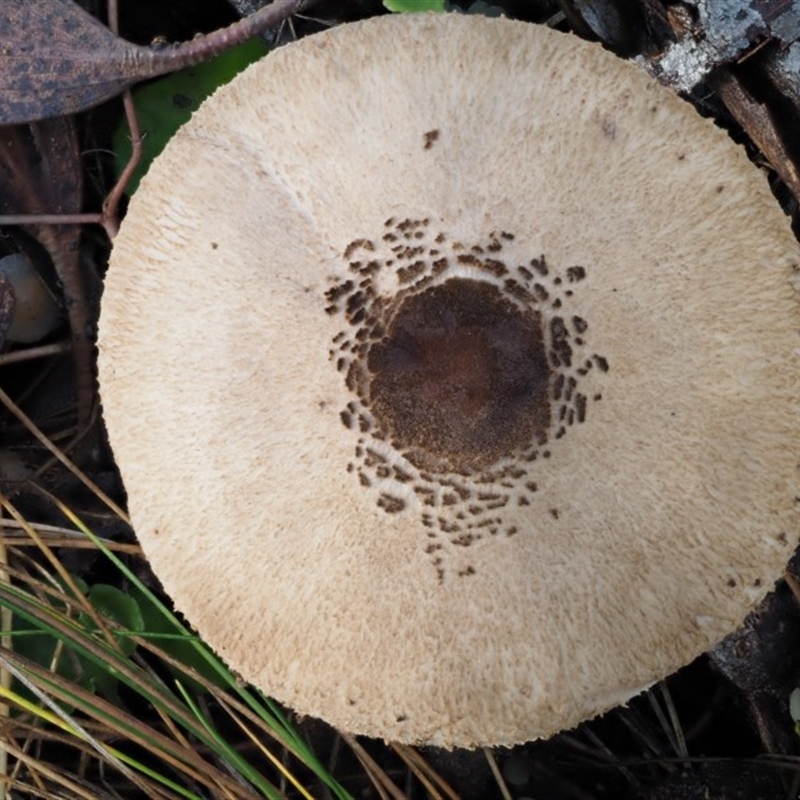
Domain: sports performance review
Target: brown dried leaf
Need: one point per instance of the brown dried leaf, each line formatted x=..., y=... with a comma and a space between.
x=78, y=63
x=56, y=59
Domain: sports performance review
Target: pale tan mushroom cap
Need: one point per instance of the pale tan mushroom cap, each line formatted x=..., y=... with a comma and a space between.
x=364, y=585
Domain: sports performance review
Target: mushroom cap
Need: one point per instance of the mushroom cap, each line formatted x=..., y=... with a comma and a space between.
x=35, y=311
x=387, y=220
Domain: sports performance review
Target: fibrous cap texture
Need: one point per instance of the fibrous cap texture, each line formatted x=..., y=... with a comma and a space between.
x=452, y=366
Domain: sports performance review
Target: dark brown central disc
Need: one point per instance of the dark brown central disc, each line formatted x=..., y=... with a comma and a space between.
x=461, y=376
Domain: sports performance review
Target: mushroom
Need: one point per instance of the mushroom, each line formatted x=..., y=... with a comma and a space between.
x=451, y=365
x=29, y=309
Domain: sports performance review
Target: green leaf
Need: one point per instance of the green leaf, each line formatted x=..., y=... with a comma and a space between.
x=119, y=607
x=164, y=105
x=406, y=6
x=42, y=647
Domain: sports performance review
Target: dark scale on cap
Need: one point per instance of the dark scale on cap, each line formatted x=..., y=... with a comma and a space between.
x=518, y=291
x=575, y=274
x=430, y=138
x=494, y=266
x=464, y=380
x=401, y=475
x=580, y=406
x=468, y=570
x=560, y=348
x=358, y=244
x=525, y=273
x=411, y=272
x=540, y=265
x=390, y=504
x=494, y=504
x=470, y=259
x=446, y=526
x=540, y=292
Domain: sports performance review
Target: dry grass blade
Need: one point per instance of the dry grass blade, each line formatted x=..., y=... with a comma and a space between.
x=676, y=729
x=72, y=633
x=177, y=752
x=52, y=712
x=285, y=773
x=255, y=726
x=59, y=567
x=34, y=734
x=260, y=710
x=237, y=710
x=434, y=784
x=383, y=783
x=117, y=724
x=45, y=441
x=498, y=776
x=14, y=534
x=52, y=774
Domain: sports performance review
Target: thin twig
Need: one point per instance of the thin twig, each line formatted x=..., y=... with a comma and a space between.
x=112, y=201
x=51, y=219
x=31, y=353
x=187, y=54
x=380, y=779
